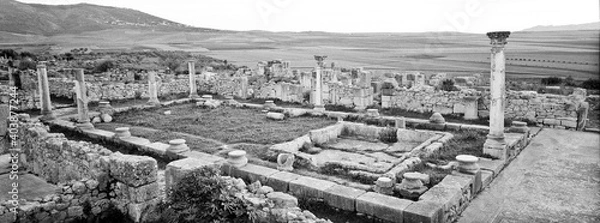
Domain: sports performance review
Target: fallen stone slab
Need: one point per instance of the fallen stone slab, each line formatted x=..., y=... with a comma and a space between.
x=342, y=197
x=275, y=116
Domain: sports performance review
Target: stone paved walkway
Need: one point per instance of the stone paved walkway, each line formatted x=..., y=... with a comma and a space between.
x=555, y=179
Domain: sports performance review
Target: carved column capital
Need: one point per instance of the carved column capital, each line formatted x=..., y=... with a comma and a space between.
x=498, y=39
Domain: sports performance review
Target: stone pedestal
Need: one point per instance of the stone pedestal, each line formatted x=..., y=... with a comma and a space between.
x=471, y=108
x=495, y=144
x=372, y=112
x=177, y=146
x=400, y=123
x=192, y=78
x=412, y=186
x=83, y=121
x=384, y=185
x=519, y=127
x=320, y=108
x=467, y=164
x=437, y=121
x=269, y=104
x=44, y=94
x=152, y=89
x=122, y=132
x=237, y=158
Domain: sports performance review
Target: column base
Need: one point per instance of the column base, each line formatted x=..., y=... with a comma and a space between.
x=47, y=117
x=153, y=103
x=496, y=147
x=84, y=125
x=320, y=108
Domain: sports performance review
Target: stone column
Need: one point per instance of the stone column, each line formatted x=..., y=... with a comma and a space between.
x=319, y=90
x=152, y=89
x=192, y=72
x=471, y=108
x=11, y=79
x=83, y=121
x=44, y=93
x=495, y=144
x=319, y=84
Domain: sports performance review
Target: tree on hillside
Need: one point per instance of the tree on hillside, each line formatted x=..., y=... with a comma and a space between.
x=448, y=85
x=552, y=81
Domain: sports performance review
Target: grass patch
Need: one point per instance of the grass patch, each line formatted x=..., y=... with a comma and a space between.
x=467, y=142
x=225, y=124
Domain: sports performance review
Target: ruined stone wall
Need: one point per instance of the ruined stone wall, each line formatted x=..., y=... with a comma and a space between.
x=90, y=176
x=27, y=99
x=348, y=95
x=284, y=91
x=520, y=105
x=63, y=87
x=228, y=86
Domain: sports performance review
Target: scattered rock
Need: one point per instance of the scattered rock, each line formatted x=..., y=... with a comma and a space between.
x=275, y=116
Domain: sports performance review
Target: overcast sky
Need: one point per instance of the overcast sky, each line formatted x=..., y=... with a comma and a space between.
x=475, y=16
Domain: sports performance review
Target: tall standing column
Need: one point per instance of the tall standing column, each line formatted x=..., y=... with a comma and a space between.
x=192, y=72
x=83, y=120
x=44, y=93
x=152, y=89
x=319, y=84
x=495, y=144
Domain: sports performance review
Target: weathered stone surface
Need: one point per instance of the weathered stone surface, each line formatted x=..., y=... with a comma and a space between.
x=424, y=212
x=283, y=200
x=382, y=206
x=136, y=194
x=275, y=116
x=280, y=181
x=177, y=169
x=437, y=118
x=308, y=187
x=251, y=173
x=342, y=197
x=133, y=170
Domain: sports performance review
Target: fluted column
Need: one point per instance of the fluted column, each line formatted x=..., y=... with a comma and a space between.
x=319, y=84
x=495, y=144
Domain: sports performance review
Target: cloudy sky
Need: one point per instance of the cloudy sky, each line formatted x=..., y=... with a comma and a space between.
x=474, y=16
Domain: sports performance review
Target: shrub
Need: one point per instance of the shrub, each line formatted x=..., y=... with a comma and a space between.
x=388, y=135
x=104, y=66
x=592, y=84
x=204, y=196
x=27, y=64
x=552, y=81
x=448, y=85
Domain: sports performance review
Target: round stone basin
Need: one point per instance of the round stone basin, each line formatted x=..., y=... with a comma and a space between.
x=237, y=158
x=384, y=182
x=467, y=159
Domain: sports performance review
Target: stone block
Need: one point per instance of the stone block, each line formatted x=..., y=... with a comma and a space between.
x=133, y=170
x=453, y=126
x=424, y=212
x=275, y=116
x=382, y=206
x=251, y=173
x=486, y=178
x=495, y=166
x=476, y=179
x=462, y=182
x=177, y=169
x=308, y=187
x=207, y=158
x=569, y=122
x=136, y=142
x=98, y=133
x=551, y=122
x=280, y=181
x=449, y=197
x=157, y=148
x=139, y=194
x=342, y=197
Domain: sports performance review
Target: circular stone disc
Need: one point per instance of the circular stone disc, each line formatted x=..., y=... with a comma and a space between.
x=467, y=158
x=122, y=129
x=236, y=153
x=177, y=141
x=411, y=176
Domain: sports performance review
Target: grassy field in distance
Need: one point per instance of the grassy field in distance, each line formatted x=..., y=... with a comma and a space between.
x=529, y=54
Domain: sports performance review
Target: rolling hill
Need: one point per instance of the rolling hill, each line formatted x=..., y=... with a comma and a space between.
x=585, y=26
x=37, y=19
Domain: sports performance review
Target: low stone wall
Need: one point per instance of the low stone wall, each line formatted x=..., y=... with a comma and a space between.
x=520, y=105
x=90, y=175
x=27, y=100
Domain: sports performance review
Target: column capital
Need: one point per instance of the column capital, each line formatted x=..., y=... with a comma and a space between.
x=498, y=38
x=190, y=61
x=41, y=64
x=320, y=60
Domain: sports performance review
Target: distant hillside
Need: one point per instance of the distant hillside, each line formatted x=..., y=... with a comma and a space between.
x=585, y=26
x=40, y=19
